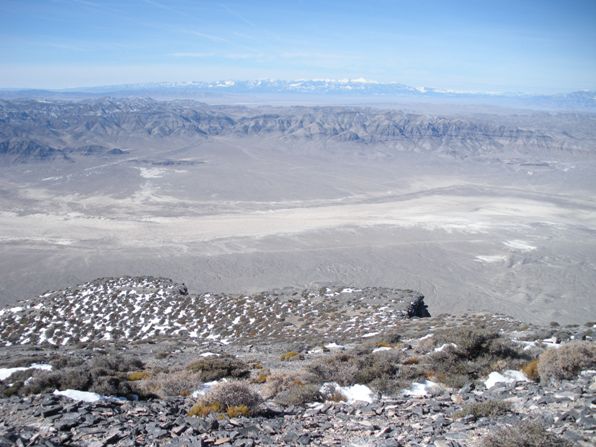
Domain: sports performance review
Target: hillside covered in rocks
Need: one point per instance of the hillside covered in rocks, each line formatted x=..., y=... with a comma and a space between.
x=141, y=361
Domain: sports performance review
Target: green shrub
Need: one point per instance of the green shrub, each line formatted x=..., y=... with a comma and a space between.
x=567, y=361
x=524, y=434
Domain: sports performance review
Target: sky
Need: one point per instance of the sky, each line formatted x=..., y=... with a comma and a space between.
x=532, y=46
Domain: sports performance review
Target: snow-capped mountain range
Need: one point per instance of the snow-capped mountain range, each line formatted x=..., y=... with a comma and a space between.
x=348, y=88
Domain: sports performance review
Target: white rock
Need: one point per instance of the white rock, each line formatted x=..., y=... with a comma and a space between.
x=509, y=376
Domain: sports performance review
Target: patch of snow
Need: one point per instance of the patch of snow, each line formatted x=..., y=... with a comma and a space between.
x=83, y=396
x=152, y=172
x=491, y=258
x=205, y=387
x=509, y=376
x=527, y=345
x=551, y=343
x=422, y=389
x=520, y=245
x=425, y=337
x=370, y=334
x=382, y=348
x=334, y=346
x=350, y=290
x=5, y=373
x=209, y=354
x=353, y=393
x=445, y=345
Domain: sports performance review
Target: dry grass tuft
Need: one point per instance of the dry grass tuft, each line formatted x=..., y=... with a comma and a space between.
x=526, y=434
x=138, y=375
x=530, y=369
x=289, y=356
x=489, y=408
x=237, y=411
x=202, y=409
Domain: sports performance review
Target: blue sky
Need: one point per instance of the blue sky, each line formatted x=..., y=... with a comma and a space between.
x=484, y=45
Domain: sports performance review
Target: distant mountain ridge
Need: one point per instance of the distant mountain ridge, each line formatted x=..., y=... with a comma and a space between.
x=47, y=130
x=577, y=100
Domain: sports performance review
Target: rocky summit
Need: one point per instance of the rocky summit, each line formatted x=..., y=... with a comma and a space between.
x=140, y=361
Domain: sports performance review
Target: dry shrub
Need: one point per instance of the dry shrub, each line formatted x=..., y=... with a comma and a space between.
x=359, y=368
x=171, y=384
x=425, y=346
x=411, y=361
x=138, y=375
x=279, y=382
x=477, y=353
x=567, y=361
x=526, y=434
x=336, y=396
x=489, y=408
x=112, y=363
x=299, y=394
x=255, y=364
x=530, y=369
x=215, y=368
x=104, y=374
x=471, y=343
x=260, y=378
x=227, y=395
x=290, y=355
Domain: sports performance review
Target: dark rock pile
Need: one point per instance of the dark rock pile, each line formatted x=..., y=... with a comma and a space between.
x=48, y=420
